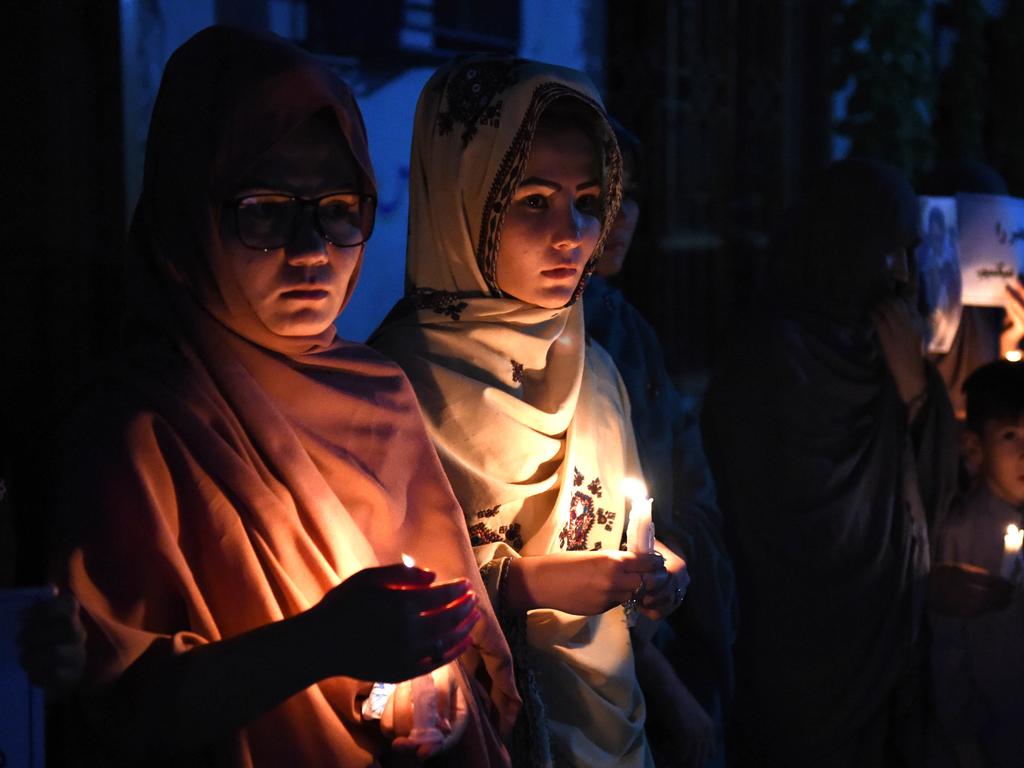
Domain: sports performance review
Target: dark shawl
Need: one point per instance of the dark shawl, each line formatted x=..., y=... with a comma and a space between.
x=679, y=479
x=823, y=486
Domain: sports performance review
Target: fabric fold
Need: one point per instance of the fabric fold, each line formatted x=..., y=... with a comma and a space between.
x=529, y=417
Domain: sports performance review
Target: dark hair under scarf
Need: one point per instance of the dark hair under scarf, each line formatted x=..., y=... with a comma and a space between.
x=830, y=254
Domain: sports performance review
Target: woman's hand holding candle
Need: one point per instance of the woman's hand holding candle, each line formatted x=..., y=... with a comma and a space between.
x=664, y=592
x=392, y=623
x=581, y=583
x=665, y=595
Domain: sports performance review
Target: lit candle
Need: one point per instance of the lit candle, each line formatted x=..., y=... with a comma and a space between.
x=1012, y=541
x=408, y=561
x=640, y=528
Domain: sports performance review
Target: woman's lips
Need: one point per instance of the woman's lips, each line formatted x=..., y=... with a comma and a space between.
x=305, y=294
x=560, y=273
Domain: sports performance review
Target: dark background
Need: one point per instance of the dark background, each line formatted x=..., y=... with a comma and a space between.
x=734, y=99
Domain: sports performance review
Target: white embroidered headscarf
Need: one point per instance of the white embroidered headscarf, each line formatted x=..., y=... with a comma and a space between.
x=530, y=420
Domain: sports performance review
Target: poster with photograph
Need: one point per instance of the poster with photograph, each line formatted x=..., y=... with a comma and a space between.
x=991, y=246
x=939, y=271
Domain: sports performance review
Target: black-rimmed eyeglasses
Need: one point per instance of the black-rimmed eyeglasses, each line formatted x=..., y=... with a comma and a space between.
x=269, y=221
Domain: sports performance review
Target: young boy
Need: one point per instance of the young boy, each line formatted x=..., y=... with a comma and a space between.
x=978, y=633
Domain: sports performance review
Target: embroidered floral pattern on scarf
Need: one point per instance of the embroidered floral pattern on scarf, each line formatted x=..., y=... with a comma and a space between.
x=535, y=454
x=472, y=96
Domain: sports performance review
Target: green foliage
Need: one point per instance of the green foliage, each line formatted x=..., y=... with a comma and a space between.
x=959, y=121
x=883, y=46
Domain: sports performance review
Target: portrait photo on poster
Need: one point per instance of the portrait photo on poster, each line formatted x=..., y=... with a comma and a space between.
x=991, y=246
x=939, y=279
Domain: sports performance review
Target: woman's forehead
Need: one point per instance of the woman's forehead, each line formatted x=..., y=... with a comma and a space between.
x=312, y=157
x=563, y=150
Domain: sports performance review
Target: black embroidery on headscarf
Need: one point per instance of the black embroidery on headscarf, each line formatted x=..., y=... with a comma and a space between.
x=510, y=173
x=577, y=477
x=517, y=371
x=442, y=302
x=480, y=534
x=595, y=487
x=470, y=96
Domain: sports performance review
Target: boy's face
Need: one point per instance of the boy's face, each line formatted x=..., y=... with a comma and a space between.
x=1002, y=458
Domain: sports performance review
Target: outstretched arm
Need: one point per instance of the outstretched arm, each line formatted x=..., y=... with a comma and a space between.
x=169, y=703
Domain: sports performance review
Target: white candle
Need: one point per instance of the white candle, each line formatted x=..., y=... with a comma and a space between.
x=640, y=528
x=1011, y=552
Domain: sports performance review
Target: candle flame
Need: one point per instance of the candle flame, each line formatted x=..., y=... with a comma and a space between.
x=408, y=561
x=1014, y=355
x=1014, y=537
x=634, y=488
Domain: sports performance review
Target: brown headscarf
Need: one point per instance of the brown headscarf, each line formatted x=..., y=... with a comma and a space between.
x=233, y=476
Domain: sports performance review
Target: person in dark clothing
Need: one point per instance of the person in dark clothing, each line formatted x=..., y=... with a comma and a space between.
x=830, y=440
x=698, y=638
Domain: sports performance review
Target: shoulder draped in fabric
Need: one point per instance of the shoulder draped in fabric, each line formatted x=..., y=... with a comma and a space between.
x=240, y=474
x=531, y=420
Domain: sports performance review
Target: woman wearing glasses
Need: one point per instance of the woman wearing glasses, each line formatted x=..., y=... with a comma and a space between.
x=240, y=491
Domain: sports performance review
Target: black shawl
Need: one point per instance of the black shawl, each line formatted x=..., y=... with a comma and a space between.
x=824, y=487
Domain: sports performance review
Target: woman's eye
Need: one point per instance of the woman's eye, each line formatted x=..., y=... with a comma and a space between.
x=589, y=204
x=263, y=209
x=336, y=209
x=537, y=202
